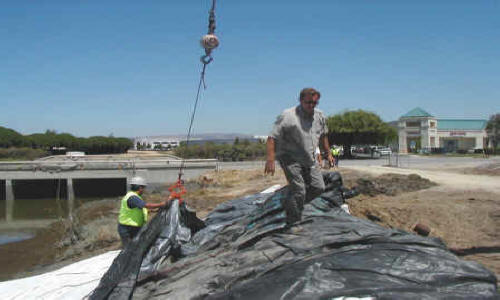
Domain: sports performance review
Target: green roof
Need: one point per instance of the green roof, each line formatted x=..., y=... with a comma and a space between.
x=458, y=124
x=417, y=112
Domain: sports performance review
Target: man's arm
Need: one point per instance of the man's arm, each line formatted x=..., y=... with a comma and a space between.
x=326, y=147
x=151, y=206
x=154, y=206
x=139, y=203
x=270, y=149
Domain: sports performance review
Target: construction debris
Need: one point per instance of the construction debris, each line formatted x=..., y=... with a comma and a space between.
x=422, y=229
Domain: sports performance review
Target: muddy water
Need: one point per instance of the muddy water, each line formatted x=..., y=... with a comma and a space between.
x=29, y=251
x=30, y=214
x=37, y=203
x=14, y=236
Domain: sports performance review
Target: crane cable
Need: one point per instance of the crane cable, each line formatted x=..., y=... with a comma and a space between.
x=209, y=42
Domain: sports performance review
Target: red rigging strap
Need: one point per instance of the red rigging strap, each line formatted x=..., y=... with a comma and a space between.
x=177, y=190
x=209, y=42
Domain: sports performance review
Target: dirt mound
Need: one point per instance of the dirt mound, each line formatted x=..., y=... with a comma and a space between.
x=492, y=169
x=392, y=184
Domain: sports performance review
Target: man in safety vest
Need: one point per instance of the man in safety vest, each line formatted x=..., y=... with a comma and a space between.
x=336, y=155
x=134, y=210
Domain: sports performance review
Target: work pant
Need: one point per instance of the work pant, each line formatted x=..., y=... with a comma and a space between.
x=337, y=158
x=305, y=184
x=127, y=233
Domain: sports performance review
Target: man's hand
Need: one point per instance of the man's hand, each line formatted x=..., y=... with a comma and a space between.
x=270, y=156
x=168, y=200
x=331, y=160
x=270, y=166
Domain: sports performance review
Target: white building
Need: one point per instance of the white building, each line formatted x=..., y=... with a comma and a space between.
x=417, y=129
x=156, y=143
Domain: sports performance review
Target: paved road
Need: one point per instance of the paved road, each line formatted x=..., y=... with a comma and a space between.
x=406, y=161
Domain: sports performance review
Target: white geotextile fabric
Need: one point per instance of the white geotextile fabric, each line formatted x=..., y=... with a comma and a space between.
x=74, y=281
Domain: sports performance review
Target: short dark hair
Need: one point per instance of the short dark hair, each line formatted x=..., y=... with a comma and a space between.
x=309, y=92
x=135, y=187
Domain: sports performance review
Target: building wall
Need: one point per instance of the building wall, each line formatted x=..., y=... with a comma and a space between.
x=421, y=128
x=466, y=139
x=425, y=130
x=164, y=142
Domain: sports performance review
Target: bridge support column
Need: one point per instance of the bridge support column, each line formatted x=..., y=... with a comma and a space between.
x=9, y=200
x=71, y=198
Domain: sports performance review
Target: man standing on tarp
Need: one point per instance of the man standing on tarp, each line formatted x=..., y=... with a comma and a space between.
x=296, y=134
x=134, y=210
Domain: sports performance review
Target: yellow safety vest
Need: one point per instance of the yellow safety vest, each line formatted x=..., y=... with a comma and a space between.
x=132, y=216
x=335, y=152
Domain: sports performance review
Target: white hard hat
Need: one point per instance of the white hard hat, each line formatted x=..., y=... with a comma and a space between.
x=137, y=180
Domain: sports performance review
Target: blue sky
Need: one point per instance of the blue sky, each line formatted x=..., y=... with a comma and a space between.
x=131, y=68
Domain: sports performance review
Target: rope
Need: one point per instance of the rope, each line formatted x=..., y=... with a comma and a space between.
x=209, y=42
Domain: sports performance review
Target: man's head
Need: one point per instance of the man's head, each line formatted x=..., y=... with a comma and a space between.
x=138, y=184
x=309, y=98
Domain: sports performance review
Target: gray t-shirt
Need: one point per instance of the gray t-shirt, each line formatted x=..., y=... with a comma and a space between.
x=297, y=135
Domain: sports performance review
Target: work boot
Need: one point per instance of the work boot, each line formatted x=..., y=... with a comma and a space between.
x=293, y=213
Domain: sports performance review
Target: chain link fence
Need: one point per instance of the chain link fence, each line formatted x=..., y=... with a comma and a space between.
x=398, y=160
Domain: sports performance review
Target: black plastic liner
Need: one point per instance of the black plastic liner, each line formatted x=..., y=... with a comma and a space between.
x=244, y=250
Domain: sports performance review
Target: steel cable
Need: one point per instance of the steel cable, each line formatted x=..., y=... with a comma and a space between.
x=209, y=42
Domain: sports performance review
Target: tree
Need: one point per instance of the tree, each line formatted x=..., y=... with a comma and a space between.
x=11, y=138
x=50, y=139
x=493, y=128
x=224, y=152
x=39, y=140
x=358, y=127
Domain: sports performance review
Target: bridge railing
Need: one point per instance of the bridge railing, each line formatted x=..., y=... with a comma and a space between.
x=104, y=164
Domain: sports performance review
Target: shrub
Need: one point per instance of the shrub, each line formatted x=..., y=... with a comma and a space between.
x=21, y=153
x=239, y=151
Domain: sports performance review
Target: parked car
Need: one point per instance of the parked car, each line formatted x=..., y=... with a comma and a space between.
x=382, y=150
x=365, y=152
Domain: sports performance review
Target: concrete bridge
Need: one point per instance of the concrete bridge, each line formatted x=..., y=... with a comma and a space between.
x=67, y=178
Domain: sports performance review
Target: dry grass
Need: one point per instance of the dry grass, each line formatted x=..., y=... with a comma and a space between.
x=214, y=188
x=461, y=219
x=96, y=221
